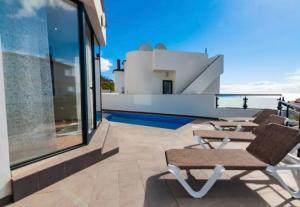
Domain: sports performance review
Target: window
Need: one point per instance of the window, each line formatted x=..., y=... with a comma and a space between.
x=167, y=87
x=43, y=101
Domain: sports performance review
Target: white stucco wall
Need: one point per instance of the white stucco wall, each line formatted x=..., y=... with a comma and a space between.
x=145, y=71
x=139, y=76
x=185, y=64
x=119, y=81
x=192, y=105
x=209, y=76
x=95, y=12
x=5, y=177
x=214, y=87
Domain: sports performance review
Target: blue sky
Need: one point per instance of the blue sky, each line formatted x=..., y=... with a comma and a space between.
x=259, y=38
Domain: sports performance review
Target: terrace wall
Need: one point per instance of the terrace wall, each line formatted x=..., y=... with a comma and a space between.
x=189, y=105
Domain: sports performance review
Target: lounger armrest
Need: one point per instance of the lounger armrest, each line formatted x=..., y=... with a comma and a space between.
x=295, y=148
x=287, y=167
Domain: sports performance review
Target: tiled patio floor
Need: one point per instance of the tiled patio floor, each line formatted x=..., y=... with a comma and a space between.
x=138, y=176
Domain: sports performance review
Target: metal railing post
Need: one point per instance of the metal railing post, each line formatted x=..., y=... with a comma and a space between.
x=298, y=152
x=279, y=107
x=245, y=106
x=217, y=101
x=299, y=120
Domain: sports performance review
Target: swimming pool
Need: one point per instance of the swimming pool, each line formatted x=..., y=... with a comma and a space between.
x=153, y=120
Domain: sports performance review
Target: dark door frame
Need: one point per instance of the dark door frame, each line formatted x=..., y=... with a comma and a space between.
x=167, y=81
x=88, y=136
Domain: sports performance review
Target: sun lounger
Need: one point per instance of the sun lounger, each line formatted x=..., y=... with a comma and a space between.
x=259, y=115
x=220, y=125
x=264, y=153
x=203, y=136
x=237, y=119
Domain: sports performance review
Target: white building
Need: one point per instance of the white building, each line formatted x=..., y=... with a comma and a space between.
x=119, y=78
x=160, y=71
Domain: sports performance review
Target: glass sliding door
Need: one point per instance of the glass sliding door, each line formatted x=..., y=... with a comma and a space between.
x=90, y=76
x=63, y=40
x=97, y=80
x=40, y=62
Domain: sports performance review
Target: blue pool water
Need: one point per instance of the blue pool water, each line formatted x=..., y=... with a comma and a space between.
x=153, y=120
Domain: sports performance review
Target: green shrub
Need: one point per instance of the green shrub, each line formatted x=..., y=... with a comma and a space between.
x=107, y=84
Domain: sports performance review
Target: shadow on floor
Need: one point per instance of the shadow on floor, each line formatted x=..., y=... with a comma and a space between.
x=296, y=175
x=201, y=121
x=164, y=190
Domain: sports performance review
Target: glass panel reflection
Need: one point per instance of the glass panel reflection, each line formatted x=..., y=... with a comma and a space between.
x=40, y=56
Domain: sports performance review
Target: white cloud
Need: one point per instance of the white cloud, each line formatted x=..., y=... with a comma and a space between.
x=30, y=7
x=294, y=76
x=262, y=87
x=290, y=84
x=106, y=64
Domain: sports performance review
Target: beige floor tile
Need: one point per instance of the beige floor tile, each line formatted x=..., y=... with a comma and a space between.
x=138, y=176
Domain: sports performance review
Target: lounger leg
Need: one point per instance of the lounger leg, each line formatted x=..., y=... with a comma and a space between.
x=292, y=155
x=238, y=128
x=218, y=171
x=225, y=141
x=218, y=128
x=273, y=171
x=201, y=141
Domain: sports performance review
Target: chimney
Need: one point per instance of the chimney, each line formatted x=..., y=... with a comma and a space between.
x=118, y=64
x=118, y=68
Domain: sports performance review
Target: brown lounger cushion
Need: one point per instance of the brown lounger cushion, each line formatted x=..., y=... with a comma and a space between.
x=233, y=159
x=271, y=119
x=262, y=115
x=274, y=143
x=234, y=136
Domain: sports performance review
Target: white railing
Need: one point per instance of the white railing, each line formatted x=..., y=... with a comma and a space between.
x=246, y=101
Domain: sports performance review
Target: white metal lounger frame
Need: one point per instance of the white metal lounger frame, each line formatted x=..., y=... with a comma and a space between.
x=218, y=172
x=238, y=128
x=292, y=122
x=203, y=143
x=292, y=156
